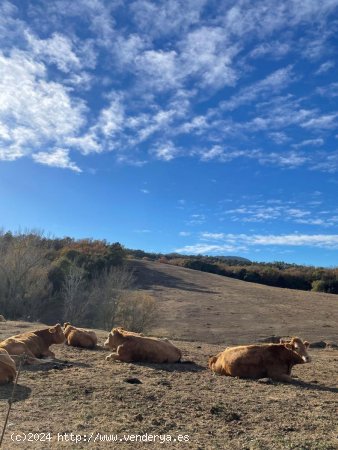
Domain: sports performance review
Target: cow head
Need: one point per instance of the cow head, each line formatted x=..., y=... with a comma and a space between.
x=114, y=339
x=108, y=342
x=57, y=334
x=298, y=346
x=211, y=361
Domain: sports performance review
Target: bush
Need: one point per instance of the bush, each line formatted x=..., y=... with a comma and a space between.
x=137, y=311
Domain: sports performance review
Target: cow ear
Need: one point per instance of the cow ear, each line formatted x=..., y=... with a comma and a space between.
x=306, y=343
x=55, y=329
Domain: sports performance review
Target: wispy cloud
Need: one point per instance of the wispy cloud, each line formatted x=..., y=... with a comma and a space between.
x=325, y=121
x=165, y=151
x=270, y=211
x=326, y=66
x=168, y=79
x=273, y=83
x=58, y=158
x=309, y=143
x=56, y=50
x=184, y=233
x=242, y=242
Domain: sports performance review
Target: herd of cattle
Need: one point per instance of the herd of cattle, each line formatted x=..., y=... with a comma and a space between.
x=251, y=361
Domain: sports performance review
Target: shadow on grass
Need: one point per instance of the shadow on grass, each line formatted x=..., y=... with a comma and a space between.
x=147, y=278
x=300, y=384
x=21, y=392
x=183, y=366
x=56, y=364
x=315, y=387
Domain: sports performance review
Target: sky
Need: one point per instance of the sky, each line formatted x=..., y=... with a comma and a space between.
x=192, y=126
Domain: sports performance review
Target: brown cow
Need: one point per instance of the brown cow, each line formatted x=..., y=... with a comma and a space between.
x=34, y=344
x=79, y=337
x=258, y=361
x=7, y=367
x=112, y=341
x=142, y=349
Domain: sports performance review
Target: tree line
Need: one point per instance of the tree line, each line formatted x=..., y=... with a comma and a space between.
x=86, y=282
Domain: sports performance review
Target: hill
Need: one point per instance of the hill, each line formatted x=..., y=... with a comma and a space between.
x=215, y=309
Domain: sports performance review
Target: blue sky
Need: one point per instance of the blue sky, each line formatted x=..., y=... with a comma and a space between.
x=180, y=125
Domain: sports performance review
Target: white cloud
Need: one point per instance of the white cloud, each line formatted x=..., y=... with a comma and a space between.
x=273, y=83
x=57, y=158
x=327, y=163
x=213, y=236
x=276, y=210
x=57, y=50
x=275, y=50
x=207, y=52
x=325, y=121
x=159, y=68
x=241, y=242
x=166, y=18
x=34, y=112
x=279, y=137
x=111, y=119
x=330, y=91
x=205, y=249
x=88, y=143
x=325, y=67
x=309, y=142
x=316, y=240
x=96, y=16
x=166, y=151
x=168, y=59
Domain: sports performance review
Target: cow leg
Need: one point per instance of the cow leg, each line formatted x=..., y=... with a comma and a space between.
x=113, y=356
x=20, y=350
x=280, y=377
x=48, y=354
x=122, y=354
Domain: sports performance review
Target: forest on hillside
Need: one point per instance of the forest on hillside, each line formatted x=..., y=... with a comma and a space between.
x=85, y=282
x=89, y=282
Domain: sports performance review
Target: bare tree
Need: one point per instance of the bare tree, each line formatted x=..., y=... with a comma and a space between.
x=137, y=311
x=76, y=302
x=23, y=273
x=107, y=291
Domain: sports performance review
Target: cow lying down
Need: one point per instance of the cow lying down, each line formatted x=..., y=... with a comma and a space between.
x=258, y=361
x=133, y=347
x=79, y=337
x=113, y=339
x=7, y=367
x=34, y=344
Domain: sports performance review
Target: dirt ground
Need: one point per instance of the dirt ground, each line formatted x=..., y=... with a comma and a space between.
x=82, y=394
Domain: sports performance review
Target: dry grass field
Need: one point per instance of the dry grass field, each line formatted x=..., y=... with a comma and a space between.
x=210, y=308
x=81, y=393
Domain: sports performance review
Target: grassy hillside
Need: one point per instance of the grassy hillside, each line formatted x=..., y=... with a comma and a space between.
x=211, y=308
